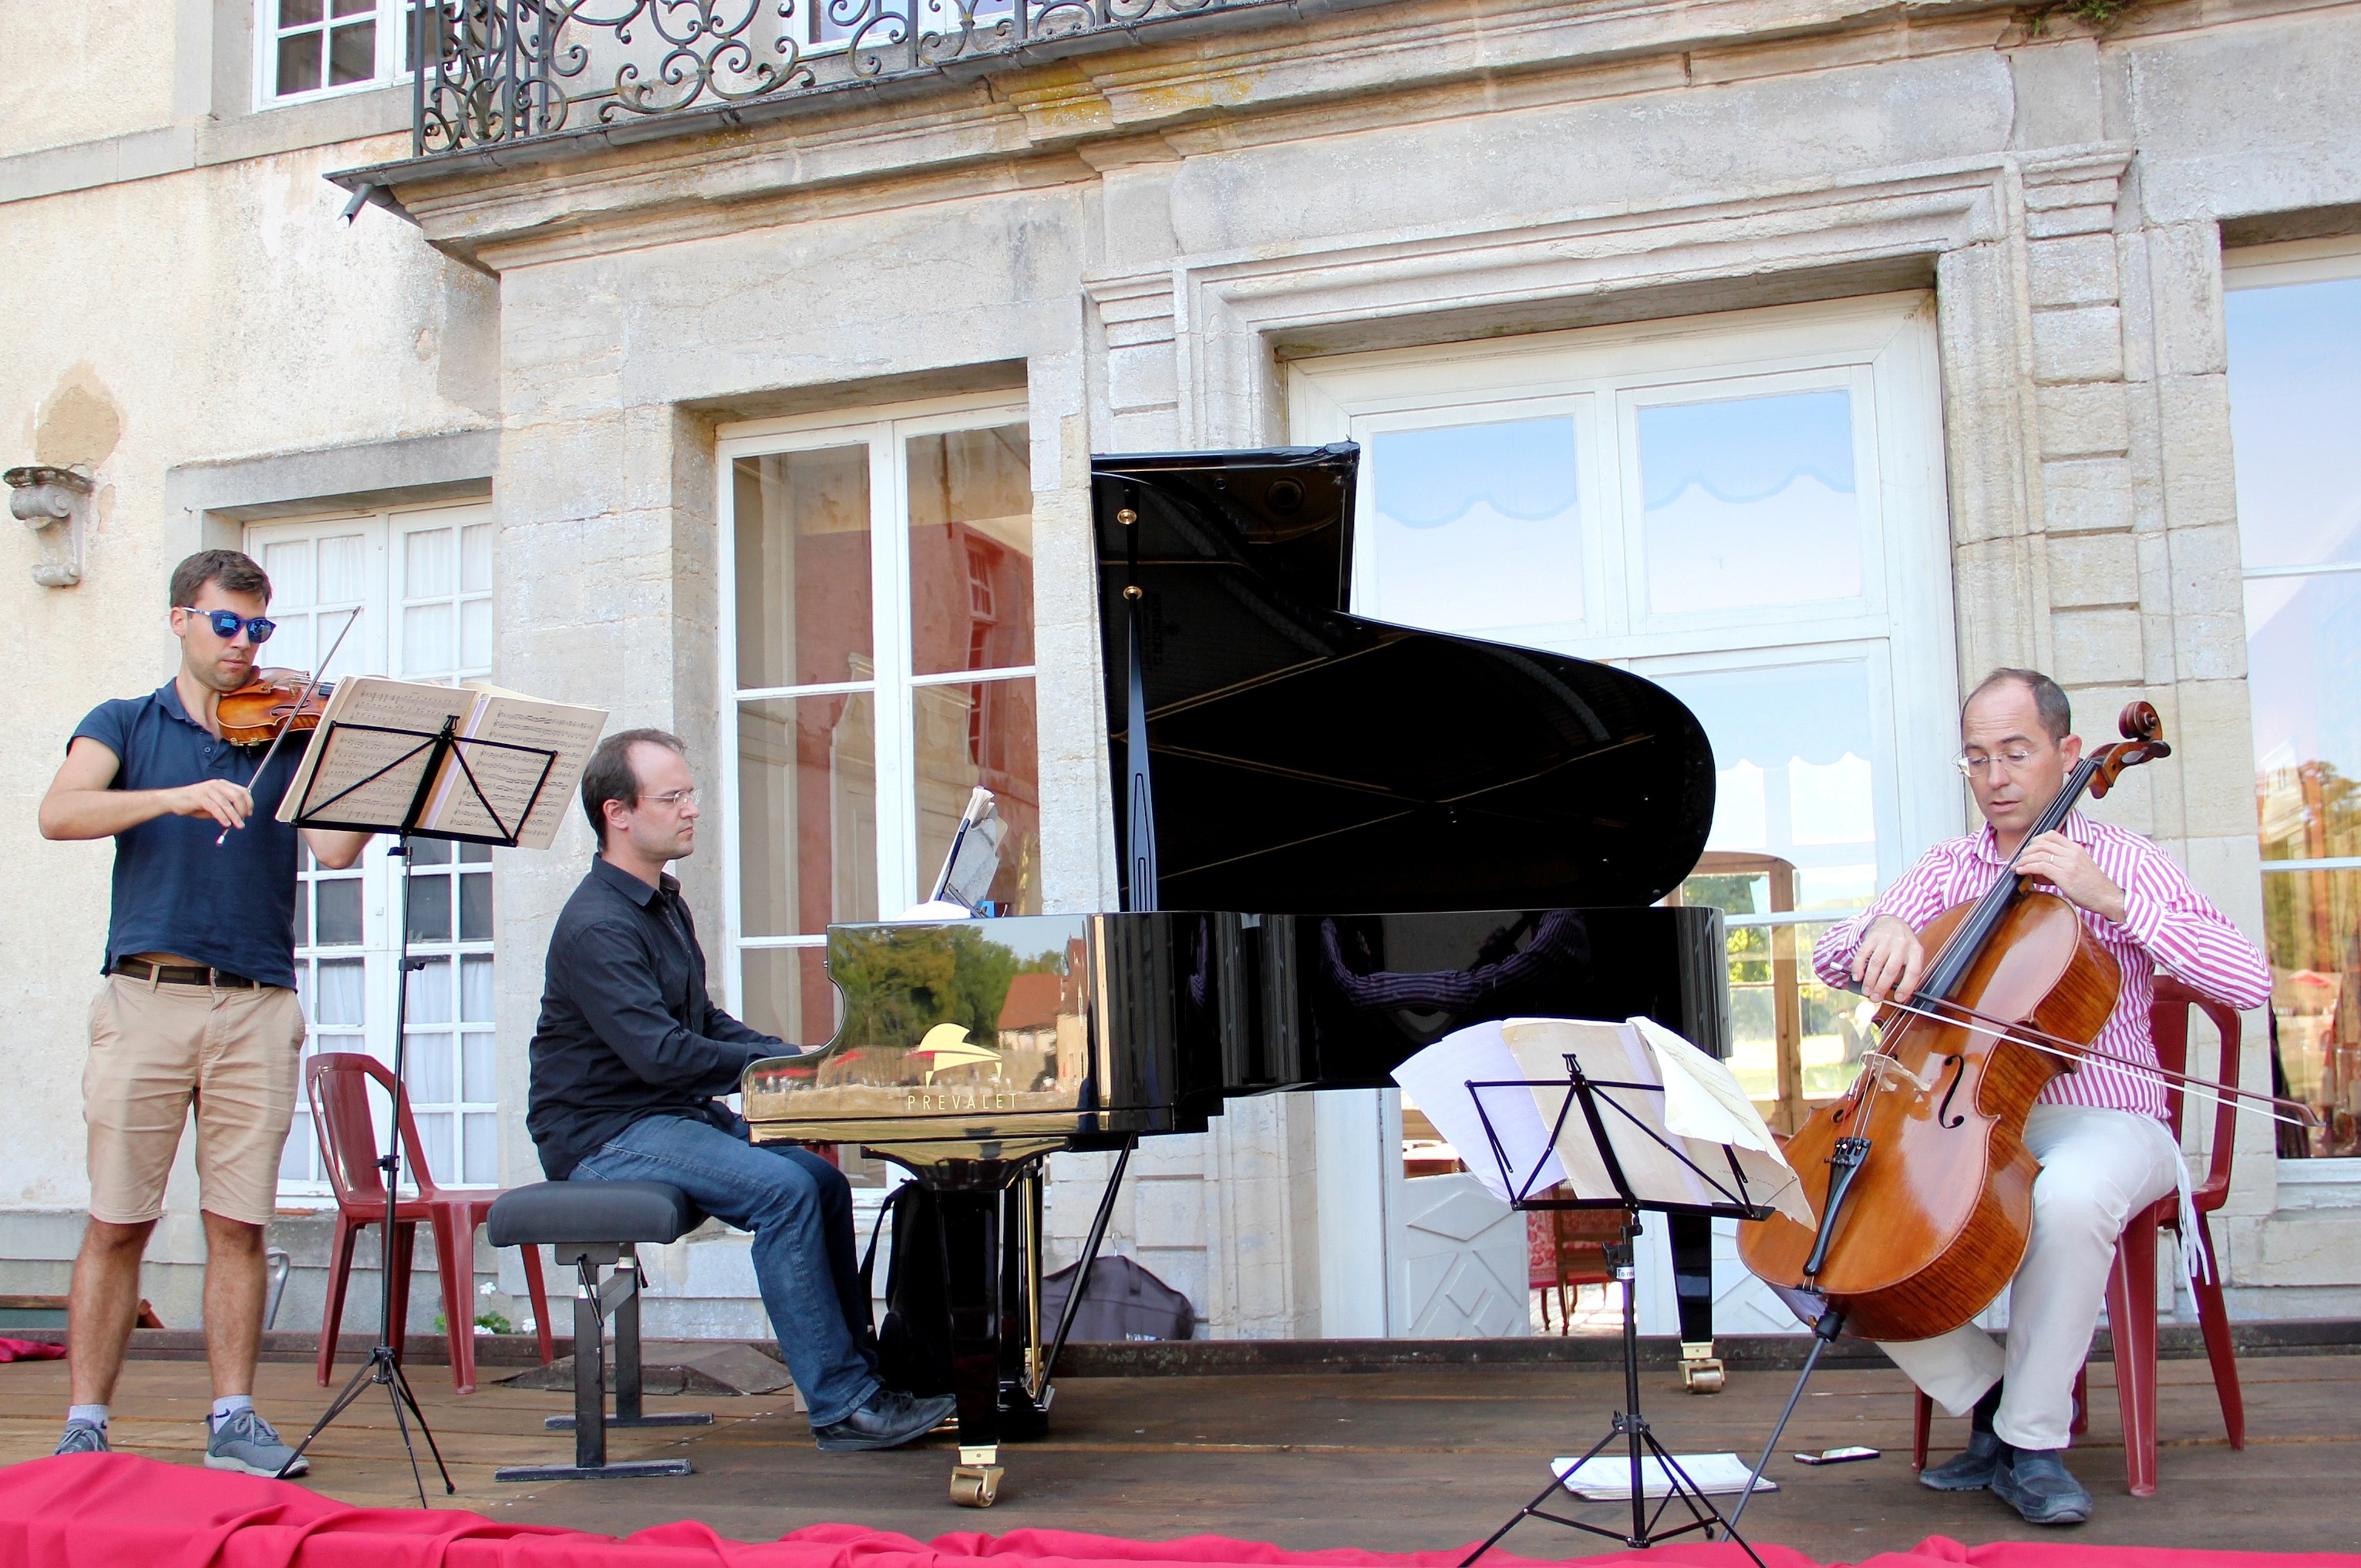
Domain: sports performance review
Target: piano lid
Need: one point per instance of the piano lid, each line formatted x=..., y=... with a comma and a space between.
x=1305, y=760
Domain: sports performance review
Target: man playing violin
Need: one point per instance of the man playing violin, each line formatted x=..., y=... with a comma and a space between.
x=2099, y=1132
x=199, y=1007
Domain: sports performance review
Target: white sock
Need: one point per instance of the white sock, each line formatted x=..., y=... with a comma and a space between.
x=229, y=1405
x=89, y=1415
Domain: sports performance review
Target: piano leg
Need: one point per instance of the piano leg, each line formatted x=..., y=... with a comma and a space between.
x=1691, y=1236
x=971, y=1217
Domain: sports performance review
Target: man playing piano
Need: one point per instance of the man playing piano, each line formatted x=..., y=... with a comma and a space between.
x=627, y=1060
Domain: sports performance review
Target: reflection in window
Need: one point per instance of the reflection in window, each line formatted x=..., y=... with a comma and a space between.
x=1449, y=504
x=2295, y=394
x=1750, y=503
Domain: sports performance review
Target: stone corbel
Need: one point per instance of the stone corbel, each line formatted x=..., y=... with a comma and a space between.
x=55, y=504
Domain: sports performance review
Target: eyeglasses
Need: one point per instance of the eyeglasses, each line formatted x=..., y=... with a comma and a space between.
x=1975, y=765
x=227, y=621
x=674, y=798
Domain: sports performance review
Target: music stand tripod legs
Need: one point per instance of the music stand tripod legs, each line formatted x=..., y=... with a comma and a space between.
x=383, y=1367
x=1631, y=1426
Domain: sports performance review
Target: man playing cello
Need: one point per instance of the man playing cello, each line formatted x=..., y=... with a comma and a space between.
x=2099, y=1132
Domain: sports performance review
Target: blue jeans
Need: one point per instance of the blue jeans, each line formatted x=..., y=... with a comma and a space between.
x=800, y=1209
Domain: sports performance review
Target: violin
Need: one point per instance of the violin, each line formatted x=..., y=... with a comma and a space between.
x=273, y=702
x=1919, y=1173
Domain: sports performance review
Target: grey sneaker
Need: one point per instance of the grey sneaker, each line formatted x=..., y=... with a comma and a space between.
x=1968, y=1470
x=247, y=1442
x=83, y=1438
x=2036, y=1484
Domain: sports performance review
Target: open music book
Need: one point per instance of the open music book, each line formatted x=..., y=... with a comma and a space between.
x=524, y=756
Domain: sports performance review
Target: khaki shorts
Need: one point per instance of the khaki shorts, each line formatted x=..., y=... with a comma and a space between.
x=157, y=1049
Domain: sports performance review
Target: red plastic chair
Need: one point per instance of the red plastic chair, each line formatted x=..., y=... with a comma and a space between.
x=2131, y=1285
x=338, y=1083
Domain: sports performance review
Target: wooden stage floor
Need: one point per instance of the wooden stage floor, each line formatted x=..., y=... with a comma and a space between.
x=1413, y=1459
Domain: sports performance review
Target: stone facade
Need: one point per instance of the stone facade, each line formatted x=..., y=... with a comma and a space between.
x=1138, y=241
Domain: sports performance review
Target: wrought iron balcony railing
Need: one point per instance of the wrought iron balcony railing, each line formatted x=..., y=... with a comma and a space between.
x=506, y=71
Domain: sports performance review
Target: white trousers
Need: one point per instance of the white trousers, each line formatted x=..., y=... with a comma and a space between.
x=2098, y=1169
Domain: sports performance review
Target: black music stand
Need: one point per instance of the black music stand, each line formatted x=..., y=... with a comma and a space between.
x=1626, y=1103
x=429, y=755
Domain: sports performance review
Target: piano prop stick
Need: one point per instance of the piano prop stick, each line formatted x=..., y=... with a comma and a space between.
x=1359, y=838
x=1603, y=1115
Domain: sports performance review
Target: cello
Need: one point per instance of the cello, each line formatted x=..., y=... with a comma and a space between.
x=1919, y=1173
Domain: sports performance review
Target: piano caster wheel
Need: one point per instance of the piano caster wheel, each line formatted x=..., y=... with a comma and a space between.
x=976, y=1486
x=1702, y=1376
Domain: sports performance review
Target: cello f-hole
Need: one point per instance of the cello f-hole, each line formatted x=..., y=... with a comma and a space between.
x=1943, y=1117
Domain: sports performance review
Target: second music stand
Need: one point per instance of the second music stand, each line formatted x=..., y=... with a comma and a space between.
x=1609, y=1107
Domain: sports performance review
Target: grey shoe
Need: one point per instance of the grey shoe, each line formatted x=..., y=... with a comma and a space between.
x=246, y=1442
x=84, y=1438
x=2036, y=1484
x=1968, y=1472
x=889, y=1420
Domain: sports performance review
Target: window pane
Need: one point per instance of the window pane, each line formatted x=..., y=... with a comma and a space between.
x=2295, y=419
x=787, y=993
x=807, y=814
x=430, y=563
x=970, y=551
x=352, y=54
x=476, y=635
x=1750, y=503
x=295, y=1155
x=482, y=1152
x=430, y=992
x=430, y=852
x=1473, y=528
x=803, y=568
x=301, y=924
x=2303, y=674
x=288, y=565
x=476, y=907
x=474, y=854
x=430, y=908
x=478, y=1082
x=475, y=558
x=1779, y=1009
x=2310, y=919
x=428, y=1070
x=981, y=734
x=435, y=1137
x=1795, y=801
x=351, y=7
x=344, y=570
x=339, y=912
x=299, y=63
x=426, y=638
x=476, y=990
x=296, y=13
x=340, y=993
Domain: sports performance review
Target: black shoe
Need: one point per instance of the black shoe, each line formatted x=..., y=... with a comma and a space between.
x=889, y=1420
x=2036, y=1484
x=1968, y=1472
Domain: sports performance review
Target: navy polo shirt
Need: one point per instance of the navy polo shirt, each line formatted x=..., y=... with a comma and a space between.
x=233, y=907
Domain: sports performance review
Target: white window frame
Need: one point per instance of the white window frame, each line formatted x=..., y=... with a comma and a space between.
x=885, y=431
x=392, y=17
x=374, y=645
x=1881, y=349
x=2270, y=266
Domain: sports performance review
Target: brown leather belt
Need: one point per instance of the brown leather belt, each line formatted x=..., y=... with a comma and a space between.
x=182, y=974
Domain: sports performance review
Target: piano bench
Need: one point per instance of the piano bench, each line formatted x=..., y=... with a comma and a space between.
x=594, y=1226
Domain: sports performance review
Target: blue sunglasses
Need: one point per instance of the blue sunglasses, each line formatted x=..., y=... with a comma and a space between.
x=227, y=621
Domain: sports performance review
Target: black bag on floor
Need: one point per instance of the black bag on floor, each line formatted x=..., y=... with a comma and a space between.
x=914, y=1342
x=1125, y=1301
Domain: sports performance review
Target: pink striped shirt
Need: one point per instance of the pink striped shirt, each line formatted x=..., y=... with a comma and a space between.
x=2166, y=922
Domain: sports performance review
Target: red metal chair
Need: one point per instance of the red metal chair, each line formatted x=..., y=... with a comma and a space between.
x=338, y=1083
x=2131, y=1285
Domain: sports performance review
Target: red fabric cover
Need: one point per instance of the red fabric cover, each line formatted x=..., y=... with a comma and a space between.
x=103, y=1511
x=30, y=1349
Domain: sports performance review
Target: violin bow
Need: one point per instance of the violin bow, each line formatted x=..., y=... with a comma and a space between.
x=2050, y=1045
x=302, y=697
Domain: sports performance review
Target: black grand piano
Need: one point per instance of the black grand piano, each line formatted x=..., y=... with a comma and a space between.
x=1339, y=839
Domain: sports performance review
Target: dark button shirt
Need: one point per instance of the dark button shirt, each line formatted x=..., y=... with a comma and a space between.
x=232, y=908
x=627, y=1030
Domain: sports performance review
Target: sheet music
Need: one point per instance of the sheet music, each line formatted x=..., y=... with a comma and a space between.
x=340, y=757
x=1619, y=1053
x=1438, y=1079
x=507, y=778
